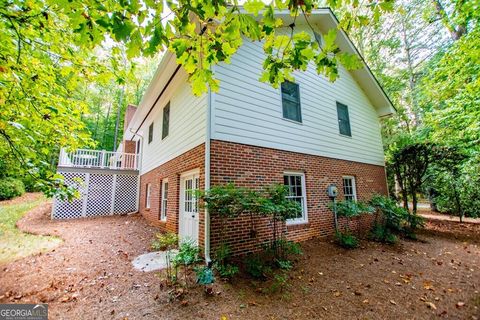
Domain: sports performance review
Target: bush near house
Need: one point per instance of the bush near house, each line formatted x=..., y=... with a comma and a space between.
x=392, y=220
x=11, y=188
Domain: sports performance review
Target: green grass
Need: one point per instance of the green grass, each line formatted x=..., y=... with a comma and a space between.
x=15, y=244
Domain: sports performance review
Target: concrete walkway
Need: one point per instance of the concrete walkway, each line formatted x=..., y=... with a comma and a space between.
x=448, y=218
x=152, y=261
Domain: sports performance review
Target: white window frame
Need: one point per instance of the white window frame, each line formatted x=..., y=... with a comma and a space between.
x=148, y=196
x=354, y=187
x=304, y=218
x=164, y=203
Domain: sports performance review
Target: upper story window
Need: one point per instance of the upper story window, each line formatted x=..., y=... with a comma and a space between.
x=150, y=133
x=343, y=120
x=295, y=182
x=349, y=188
x=291, y=101
x=148, y=195
x=166, y=120
x=163, y=210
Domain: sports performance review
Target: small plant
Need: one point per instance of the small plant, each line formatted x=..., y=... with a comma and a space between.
x=346, y=240
x=204, y=275
x=256, y=267
x=187, y=256
x=227, y=271
x=380, y=233
x=284, y=264
x=166, y=242
x=222, y=264
x=280, y=282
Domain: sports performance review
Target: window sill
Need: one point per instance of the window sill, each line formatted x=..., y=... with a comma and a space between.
x=345, y=136
x=296, y=222
x=147, y=209
x=293, y=121
x=297, y=225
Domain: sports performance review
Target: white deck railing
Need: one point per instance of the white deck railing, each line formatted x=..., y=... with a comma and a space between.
x=84, y=158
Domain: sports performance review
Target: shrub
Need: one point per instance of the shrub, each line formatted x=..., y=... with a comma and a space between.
x=393, y=219
x=346, y=240
x=380, y=233
x=256, y=267
x=225, y=269
x=11, y=188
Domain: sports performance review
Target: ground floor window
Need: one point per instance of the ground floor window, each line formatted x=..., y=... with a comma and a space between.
x=164, y=203
x=349, y=189
x=295, y=182
x=148, y=196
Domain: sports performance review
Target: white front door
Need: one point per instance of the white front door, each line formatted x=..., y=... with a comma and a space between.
x=188, y=215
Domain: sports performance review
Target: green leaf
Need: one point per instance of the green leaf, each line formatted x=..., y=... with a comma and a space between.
x=254, y=6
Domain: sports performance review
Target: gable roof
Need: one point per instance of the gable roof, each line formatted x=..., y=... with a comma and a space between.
x=323, y=18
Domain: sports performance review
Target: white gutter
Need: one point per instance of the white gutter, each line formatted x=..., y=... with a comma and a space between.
x=208, y=260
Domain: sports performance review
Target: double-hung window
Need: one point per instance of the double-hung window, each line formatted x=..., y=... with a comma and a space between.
x=295, y=183
x=164, y=203
x=291, y=101
x=343, y=120
x=150, y=133
x=166, y=121
x=349, y=188
x=148, y=195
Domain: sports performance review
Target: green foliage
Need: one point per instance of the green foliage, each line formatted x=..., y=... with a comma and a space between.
x=255, y=266
x=450, y=93
x=392, y=219
x=346, y=240
x=188, y=253
x=204, y=275
x=350, y=209
x=409, y=159
x=165, y=241
x=53, y=52
x=222, y=264
x=11, y=188
x=454, y=181
x=381, y=233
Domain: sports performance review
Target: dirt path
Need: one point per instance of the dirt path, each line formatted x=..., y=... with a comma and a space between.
x=90, y=277
x=444, y=217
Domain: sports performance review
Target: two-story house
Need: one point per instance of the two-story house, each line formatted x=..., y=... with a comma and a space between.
x=307, y=135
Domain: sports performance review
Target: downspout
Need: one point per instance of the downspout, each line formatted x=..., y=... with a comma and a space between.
x=208, y=260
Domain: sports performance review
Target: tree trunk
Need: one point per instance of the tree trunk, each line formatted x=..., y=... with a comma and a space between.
x=456, y=32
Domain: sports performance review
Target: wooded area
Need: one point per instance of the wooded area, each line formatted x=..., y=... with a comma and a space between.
x=69, y=68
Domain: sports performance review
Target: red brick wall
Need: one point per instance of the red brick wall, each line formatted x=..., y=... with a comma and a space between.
x=192, y=159
x=256, y=167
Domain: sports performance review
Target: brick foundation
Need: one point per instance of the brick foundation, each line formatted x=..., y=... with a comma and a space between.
x=256, y=167
x=192, y=159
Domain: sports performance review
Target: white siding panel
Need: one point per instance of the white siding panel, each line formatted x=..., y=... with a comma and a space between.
x=187, y=127
x=250, y=112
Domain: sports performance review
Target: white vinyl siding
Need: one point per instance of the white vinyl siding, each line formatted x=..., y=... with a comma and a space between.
x=349, y=188
x=295, y=183
x=187, y=124
x=164, y=201
x=247, y=111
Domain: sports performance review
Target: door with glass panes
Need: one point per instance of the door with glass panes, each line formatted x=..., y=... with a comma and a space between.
x=188, y=215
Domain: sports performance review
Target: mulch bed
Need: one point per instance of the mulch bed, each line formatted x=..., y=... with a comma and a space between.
x=90, y=277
